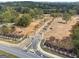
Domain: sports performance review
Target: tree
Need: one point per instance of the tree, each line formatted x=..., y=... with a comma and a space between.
x=22, y=9
x=32, y=13
x=1, y=19
x=72, y=12
x=66, y=16
x=24, y=20
x=55, y=14
x=36, y=13
x=4, y=29
x=10, y=15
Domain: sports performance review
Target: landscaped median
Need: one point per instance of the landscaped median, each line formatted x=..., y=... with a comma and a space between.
x=4, y=54
x=22, y=44
x=46, y=53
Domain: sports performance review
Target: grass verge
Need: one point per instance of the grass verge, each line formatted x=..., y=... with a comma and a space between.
x=7, y=55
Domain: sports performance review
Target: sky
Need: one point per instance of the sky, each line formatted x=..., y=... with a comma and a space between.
x=42, y=0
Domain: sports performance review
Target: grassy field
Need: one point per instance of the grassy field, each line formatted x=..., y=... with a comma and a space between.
x=7, y=55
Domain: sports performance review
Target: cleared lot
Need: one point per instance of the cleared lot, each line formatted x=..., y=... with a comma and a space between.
x=60, y=30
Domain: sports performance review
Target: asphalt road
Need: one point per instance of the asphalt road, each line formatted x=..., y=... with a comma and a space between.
x=18, y=52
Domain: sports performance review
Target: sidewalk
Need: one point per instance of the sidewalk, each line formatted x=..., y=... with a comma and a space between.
x=46, y=53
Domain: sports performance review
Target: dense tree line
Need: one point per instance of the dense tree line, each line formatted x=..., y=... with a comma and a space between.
x=9, y=11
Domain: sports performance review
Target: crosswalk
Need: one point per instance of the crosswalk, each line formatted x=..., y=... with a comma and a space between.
x=24, y=43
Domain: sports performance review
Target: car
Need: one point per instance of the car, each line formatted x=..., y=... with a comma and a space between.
x=32, y=51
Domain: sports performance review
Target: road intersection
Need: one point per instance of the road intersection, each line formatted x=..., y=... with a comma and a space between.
x=35, y=40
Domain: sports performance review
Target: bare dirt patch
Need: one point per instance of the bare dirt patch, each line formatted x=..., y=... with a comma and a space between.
x=27, y=30
x=60, y=30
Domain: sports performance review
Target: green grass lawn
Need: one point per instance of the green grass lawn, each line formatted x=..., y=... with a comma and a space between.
x=7, y=55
